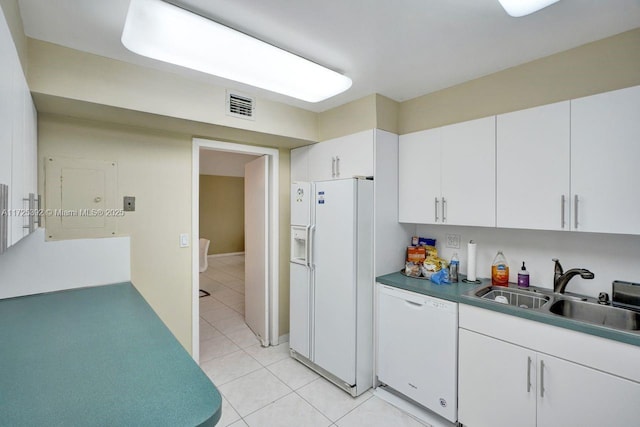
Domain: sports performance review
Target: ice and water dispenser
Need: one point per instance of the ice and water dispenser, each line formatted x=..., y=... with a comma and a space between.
x=299, y=235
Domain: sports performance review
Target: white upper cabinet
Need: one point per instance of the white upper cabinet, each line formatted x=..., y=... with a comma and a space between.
x=419, y=177
x=447, y=174
x=468, y=170
x=533, y=168
x=18, y=139
x=6, y=130
x=605, y=158
x=343, y=157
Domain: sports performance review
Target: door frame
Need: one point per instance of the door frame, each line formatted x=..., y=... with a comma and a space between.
x=272, y=233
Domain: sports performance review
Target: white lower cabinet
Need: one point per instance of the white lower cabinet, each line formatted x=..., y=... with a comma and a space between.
x=503, y=384
x=493, y=378
x=574, y=395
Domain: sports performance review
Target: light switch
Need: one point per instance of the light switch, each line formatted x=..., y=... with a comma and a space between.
x=184, y=240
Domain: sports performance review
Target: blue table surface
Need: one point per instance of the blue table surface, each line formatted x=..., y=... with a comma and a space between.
x=97, y=356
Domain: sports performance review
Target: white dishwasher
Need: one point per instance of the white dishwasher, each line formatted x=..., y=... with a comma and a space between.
x=418, y=348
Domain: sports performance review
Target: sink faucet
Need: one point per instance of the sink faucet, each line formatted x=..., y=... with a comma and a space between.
x=561, y=278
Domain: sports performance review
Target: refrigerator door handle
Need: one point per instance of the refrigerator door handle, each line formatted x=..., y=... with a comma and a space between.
x=308, y=245
x=310, y=242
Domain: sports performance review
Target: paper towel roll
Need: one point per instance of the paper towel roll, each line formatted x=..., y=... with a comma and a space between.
x=471, y=261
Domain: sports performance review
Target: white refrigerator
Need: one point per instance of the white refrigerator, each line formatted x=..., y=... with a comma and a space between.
x=332, y=280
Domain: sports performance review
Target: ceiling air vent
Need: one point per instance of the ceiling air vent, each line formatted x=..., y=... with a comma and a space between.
x=241, y=106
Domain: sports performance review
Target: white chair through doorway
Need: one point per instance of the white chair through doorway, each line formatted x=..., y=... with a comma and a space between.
x=204, y=249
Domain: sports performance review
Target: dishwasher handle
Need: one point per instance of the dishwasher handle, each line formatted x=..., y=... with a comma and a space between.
x=413, y=304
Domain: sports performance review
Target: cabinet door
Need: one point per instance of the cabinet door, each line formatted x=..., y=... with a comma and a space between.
x=17, y=188
x=496, y=382
x=575, y=395
x=354, y=154
x=322, y=161
x=605, y=153
x=419, y=177
x=6, y=78
x=468, y=173
x=300, y=164
x=31, y=144
x=533, y=168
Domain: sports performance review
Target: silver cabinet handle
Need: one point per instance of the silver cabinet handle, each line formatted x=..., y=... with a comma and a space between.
x=575, y=207
x=562, y=202
x=39, y=207
x=333, y=167
x=444, y=210
x=337, y=167
x=437, y=201
x=31, y=200
x=542, y=378
x=528, y=374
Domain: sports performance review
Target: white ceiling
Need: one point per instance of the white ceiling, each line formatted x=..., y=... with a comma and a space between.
x=398, y=48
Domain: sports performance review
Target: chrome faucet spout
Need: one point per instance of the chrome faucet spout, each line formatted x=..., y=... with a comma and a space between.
x=562, y=279
x=557, y=270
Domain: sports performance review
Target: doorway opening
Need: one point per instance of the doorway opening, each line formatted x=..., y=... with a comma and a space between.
x=261, y=228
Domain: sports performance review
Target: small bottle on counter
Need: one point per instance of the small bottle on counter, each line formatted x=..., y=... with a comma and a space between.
x=454, y=267
x=500, y=270
x=523, y=277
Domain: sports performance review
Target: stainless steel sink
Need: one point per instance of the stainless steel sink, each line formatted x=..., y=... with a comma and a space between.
x=511, y=296
x=604, y=315
x=574, y=307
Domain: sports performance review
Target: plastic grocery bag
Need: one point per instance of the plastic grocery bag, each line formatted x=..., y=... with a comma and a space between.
x=441, y=277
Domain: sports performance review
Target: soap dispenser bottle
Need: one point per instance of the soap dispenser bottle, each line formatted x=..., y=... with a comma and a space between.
x=500, y=270
x=523, y=277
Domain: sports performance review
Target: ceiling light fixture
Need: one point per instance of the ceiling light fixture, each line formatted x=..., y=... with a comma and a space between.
x=518, y=8
x=165, y=32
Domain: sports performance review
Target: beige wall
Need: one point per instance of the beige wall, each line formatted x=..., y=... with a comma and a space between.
x=222, y=213
x=156, y=169
x=59, y=71
x=608, y=64
x=349, y=118
x=372, y=111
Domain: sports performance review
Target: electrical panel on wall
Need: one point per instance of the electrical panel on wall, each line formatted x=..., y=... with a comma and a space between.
x=80, y=198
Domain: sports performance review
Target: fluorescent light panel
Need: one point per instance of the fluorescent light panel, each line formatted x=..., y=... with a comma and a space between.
x=168, y=33
x=518, y=8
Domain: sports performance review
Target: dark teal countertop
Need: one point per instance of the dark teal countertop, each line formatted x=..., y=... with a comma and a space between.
x=97, y=357
x=458, y=292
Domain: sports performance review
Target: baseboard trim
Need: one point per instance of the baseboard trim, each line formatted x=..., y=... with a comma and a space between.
x=223, y=255
x=283, y=338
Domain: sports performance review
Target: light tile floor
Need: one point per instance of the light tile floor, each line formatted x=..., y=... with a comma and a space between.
x=265, y=387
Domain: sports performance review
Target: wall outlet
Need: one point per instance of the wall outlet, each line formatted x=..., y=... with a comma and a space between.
x=453, y=241
x=129, y=204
